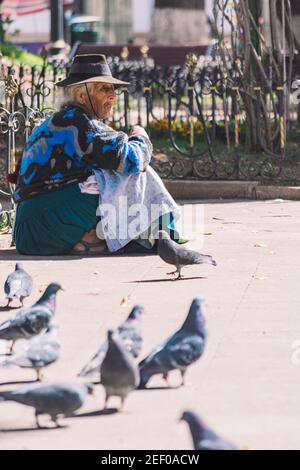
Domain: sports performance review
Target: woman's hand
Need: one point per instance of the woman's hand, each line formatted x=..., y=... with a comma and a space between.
x=138, y=130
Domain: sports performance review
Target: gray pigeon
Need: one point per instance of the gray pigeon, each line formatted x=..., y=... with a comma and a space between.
x=40, y=352
x=18, y=285
x=203, y=437
x=130, y=334
x=179, y=256
x=180, y=350
x=119, y=372
x=31, y=321
x=53, y=399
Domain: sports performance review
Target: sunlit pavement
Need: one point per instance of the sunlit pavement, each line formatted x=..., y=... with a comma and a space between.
x=247, y=384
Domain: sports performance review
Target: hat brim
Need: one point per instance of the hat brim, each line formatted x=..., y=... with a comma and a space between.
x=73, y=80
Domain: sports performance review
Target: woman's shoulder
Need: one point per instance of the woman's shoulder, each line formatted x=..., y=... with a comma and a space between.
x=70, y=115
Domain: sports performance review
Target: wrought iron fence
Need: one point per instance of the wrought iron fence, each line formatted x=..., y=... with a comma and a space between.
x=194, y=113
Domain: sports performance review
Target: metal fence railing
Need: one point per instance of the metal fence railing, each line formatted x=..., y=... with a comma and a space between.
x=194, y=113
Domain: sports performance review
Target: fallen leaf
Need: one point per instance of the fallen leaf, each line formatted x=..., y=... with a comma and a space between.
x=125, y=301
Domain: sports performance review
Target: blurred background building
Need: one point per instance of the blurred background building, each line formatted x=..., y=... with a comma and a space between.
x=179, y=22
x=119, y=21
x=126, y=21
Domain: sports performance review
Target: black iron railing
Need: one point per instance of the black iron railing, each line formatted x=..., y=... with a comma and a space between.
x=194, y=113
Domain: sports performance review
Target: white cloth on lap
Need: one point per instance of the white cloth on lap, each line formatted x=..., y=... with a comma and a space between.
x=128, y=205
x=89, y=186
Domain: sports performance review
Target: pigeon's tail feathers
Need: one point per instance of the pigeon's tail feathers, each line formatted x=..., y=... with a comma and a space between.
x=144, y=379
x=7, y=364
x=205, y=259
x=5, y=396
x=13, y=289
x=92, y=368
x=88, y=371
x=19, y=360
x=6, y=330
x=147, y=370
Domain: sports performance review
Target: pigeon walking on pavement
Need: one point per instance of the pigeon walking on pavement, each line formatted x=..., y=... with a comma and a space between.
x=203, y=437
x=31, y=321
x=53, y=399
x=40, y=352
x=179, y=256
x=130, y=334
x=18, y=285
x=119, y=372
x=181, y=350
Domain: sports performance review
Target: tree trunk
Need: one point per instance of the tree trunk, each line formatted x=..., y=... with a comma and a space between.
x=255, y=9
x=295, y=7
x=1, y=24
x=179, y=22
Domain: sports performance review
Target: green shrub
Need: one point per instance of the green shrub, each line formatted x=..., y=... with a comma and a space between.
x=20, y=55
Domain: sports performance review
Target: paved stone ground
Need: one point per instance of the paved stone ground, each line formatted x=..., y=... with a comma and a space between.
x=245, y=386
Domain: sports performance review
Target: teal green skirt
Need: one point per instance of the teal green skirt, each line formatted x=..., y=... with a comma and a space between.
x=52, y=223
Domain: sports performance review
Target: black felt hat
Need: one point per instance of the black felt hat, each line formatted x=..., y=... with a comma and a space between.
x=90, y=68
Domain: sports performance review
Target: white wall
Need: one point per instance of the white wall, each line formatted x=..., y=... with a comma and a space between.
x=142, y=12
x=36, y=23
x=39, y=23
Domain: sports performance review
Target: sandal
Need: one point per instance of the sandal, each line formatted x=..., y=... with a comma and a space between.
x=132, y=248
x=88, y=248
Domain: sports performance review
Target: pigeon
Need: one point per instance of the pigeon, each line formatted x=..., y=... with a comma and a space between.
x=180, y=350
x=119, y=372
x=179, y=256
x=203, y=437
x=53, y=399
x=130, y=334
x=18, y=285
x=31, y=321
x=40, y=352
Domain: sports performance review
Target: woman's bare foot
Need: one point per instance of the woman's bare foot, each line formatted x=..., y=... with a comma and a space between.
x=90, y=243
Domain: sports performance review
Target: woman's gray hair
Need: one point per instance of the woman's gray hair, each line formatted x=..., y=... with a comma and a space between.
x=68, y=95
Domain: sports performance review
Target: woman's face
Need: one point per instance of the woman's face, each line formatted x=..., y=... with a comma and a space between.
x=103, y=98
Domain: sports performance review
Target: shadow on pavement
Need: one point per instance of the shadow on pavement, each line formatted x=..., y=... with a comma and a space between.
x=7, y=309
x=165, y=280
x=18, y=382
x=153, y=389
x=13, y=255
x=107, y=412
x=29, y=429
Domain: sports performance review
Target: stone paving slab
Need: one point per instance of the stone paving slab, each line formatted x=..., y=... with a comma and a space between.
x=245, y=386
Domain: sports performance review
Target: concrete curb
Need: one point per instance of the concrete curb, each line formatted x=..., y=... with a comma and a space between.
x=191, y=189
x=254, y=190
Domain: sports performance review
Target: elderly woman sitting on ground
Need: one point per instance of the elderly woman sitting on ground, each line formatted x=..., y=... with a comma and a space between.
x=80, y=183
